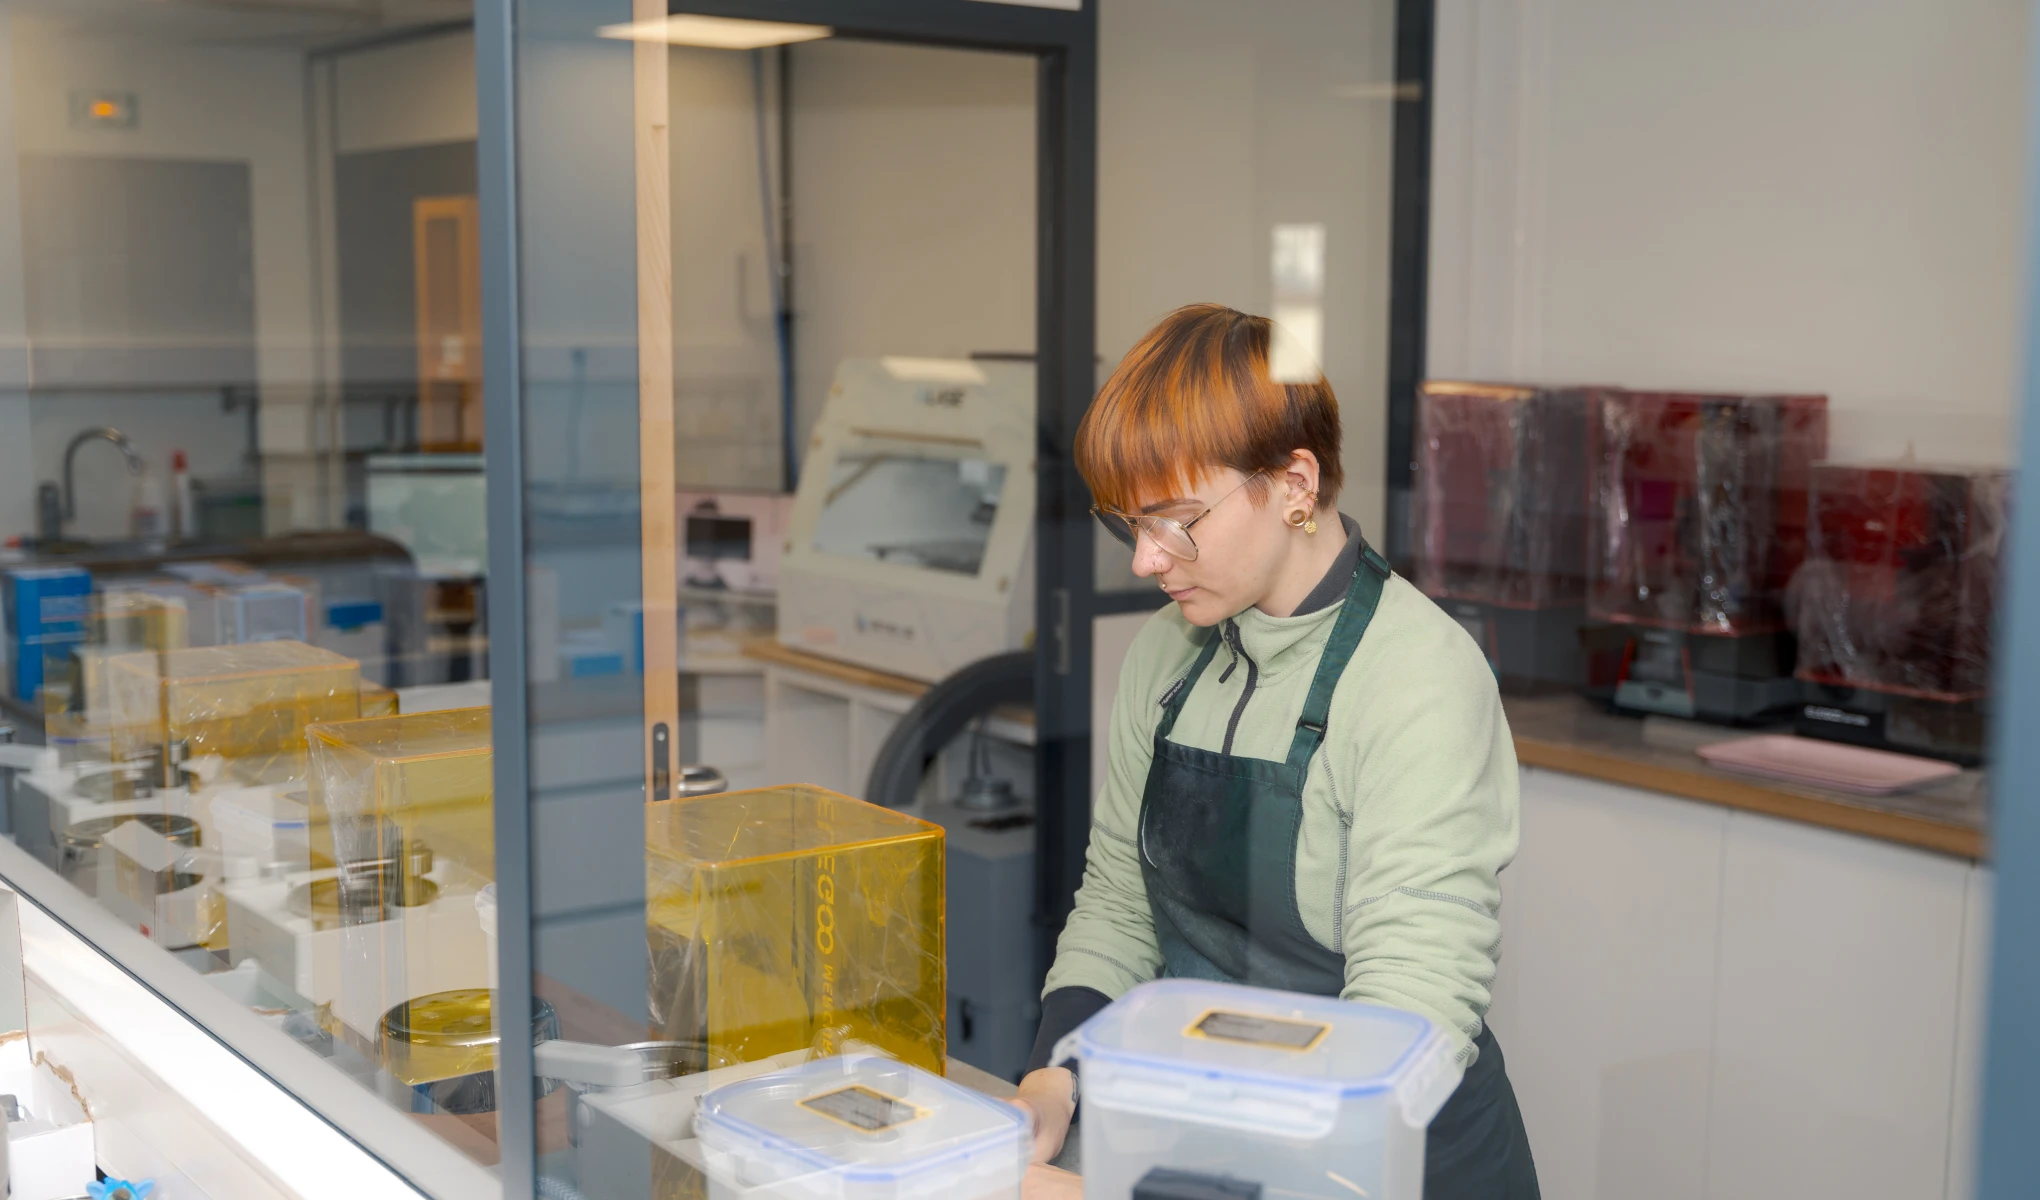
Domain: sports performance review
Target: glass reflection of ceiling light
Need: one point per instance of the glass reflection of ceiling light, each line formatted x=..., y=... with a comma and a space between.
x=718, y=33
x=934, y=370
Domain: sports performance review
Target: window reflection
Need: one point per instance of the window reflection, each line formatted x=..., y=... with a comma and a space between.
x=245, y=588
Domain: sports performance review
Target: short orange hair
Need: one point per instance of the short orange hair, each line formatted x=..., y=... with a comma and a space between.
x=1195, y=394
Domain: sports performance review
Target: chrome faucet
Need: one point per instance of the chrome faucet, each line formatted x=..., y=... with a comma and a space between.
x=104, y=433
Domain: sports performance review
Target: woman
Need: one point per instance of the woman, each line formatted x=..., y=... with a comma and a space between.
x=1312, y=785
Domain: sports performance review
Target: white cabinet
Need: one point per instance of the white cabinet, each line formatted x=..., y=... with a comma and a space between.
x=1969, y=1034
x=1834, y=1034
x=1604, y=1005
x=1701, y=1003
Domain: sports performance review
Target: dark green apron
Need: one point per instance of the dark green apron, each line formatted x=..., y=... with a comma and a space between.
x=1218, y=852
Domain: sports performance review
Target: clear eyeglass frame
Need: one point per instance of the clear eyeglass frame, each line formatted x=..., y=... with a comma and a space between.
x=1171, y=535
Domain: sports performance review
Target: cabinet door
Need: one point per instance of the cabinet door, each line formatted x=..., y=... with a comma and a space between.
x=1604, y=1004
x=1834, y=1031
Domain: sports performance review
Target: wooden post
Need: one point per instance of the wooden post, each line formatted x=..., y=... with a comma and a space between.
x=658, y=518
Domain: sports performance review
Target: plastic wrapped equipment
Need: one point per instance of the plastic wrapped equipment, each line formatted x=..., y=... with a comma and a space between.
x=1700, y=503
x=1899, y=587
x=794, y=918
x=1501, y=493
x=247, y=704
x=400, y=811
x=383, y=788
x=122, y=621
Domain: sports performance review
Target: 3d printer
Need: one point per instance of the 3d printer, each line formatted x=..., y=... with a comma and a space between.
x=792, y=919
x=910, y=544
x=186, y=728
x=1894, y=606
x=367, y=898
x=1700, y=505
x=1500, y=522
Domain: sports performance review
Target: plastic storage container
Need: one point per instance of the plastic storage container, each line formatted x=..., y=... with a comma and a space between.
x=1196, y=1090
x=859, y=1127
x=794, y=918
x=247, y=704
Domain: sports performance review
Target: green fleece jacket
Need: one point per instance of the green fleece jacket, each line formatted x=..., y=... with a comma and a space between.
x=1409, y=808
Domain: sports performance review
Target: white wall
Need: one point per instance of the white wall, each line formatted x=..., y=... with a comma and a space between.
x=1219, y=120
x=914, y=190
x=1824, y=195
x=726, y=371
x=17, y=446
x=913, y=205
x=417, y=93
x=195, y=102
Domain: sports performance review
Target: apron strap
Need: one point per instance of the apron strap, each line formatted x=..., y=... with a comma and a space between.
x=1172, y=704
x=1361, y=601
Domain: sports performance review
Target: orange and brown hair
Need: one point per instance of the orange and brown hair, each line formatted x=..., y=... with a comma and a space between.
x=1194, y=394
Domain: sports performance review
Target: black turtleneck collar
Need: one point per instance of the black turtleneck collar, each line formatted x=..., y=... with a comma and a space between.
x=1339, y=579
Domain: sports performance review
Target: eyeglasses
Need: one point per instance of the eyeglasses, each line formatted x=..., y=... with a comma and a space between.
x=1171, y=535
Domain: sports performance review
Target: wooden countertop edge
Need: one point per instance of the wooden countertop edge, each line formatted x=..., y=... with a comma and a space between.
x=771, y=651
x=1939, y=836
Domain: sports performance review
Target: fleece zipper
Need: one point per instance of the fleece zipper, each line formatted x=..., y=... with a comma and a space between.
x=1239, y=653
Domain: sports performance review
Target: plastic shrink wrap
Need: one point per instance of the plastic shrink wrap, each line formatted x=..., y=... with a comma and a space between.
x=1897, y=598
x=118, y=620
x=1700, y=506
x=401, y=808
x=794, y=918
x=1500, y=504
x=247, y=704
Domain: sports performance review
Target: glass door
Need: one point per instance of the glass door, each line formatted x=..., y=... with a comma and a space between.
x=791, y=324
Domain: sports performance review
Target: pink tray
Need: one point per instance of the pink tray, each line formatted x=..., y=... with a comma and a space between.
x=1826, y=764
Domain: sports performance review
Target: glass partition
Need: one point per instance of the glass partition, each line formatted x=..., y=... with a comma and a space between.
x=245, y=574
x=543, y=570
x=808, y=496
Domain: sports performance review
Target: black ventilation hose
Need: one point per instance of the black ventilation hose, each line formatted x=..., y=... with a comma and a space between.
x=942, y=712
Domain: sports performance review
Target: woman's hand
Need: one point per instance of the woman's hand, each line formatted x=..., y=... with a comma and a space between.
x=1048, y=1095
x=1044, y=1182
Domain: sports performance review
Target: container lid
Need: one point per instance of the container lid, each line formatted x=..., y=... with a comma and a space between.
x=859, y=1119
x=1191, y=1048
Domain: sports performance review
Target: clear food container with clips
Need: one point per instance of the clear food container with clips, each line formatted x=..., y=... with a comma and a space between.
x=859, y=1127
x=1193, y=1090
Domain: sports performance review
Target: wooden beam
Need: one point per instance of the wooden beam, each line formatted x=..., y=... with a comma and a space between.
x=657, y=517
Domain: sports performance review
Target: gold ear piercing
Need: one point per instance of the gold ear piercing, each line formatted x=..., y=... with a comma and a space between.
x=1301, y=519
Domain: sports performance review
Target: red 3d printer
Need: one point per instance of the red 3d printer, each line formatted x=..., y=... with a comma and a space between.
x=1700, y=514
x=1500, y=522
x=1894, y=605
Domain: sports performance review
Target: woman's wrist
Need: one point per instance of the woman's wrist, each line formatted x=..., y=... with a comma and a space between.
x=1056, y=1083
